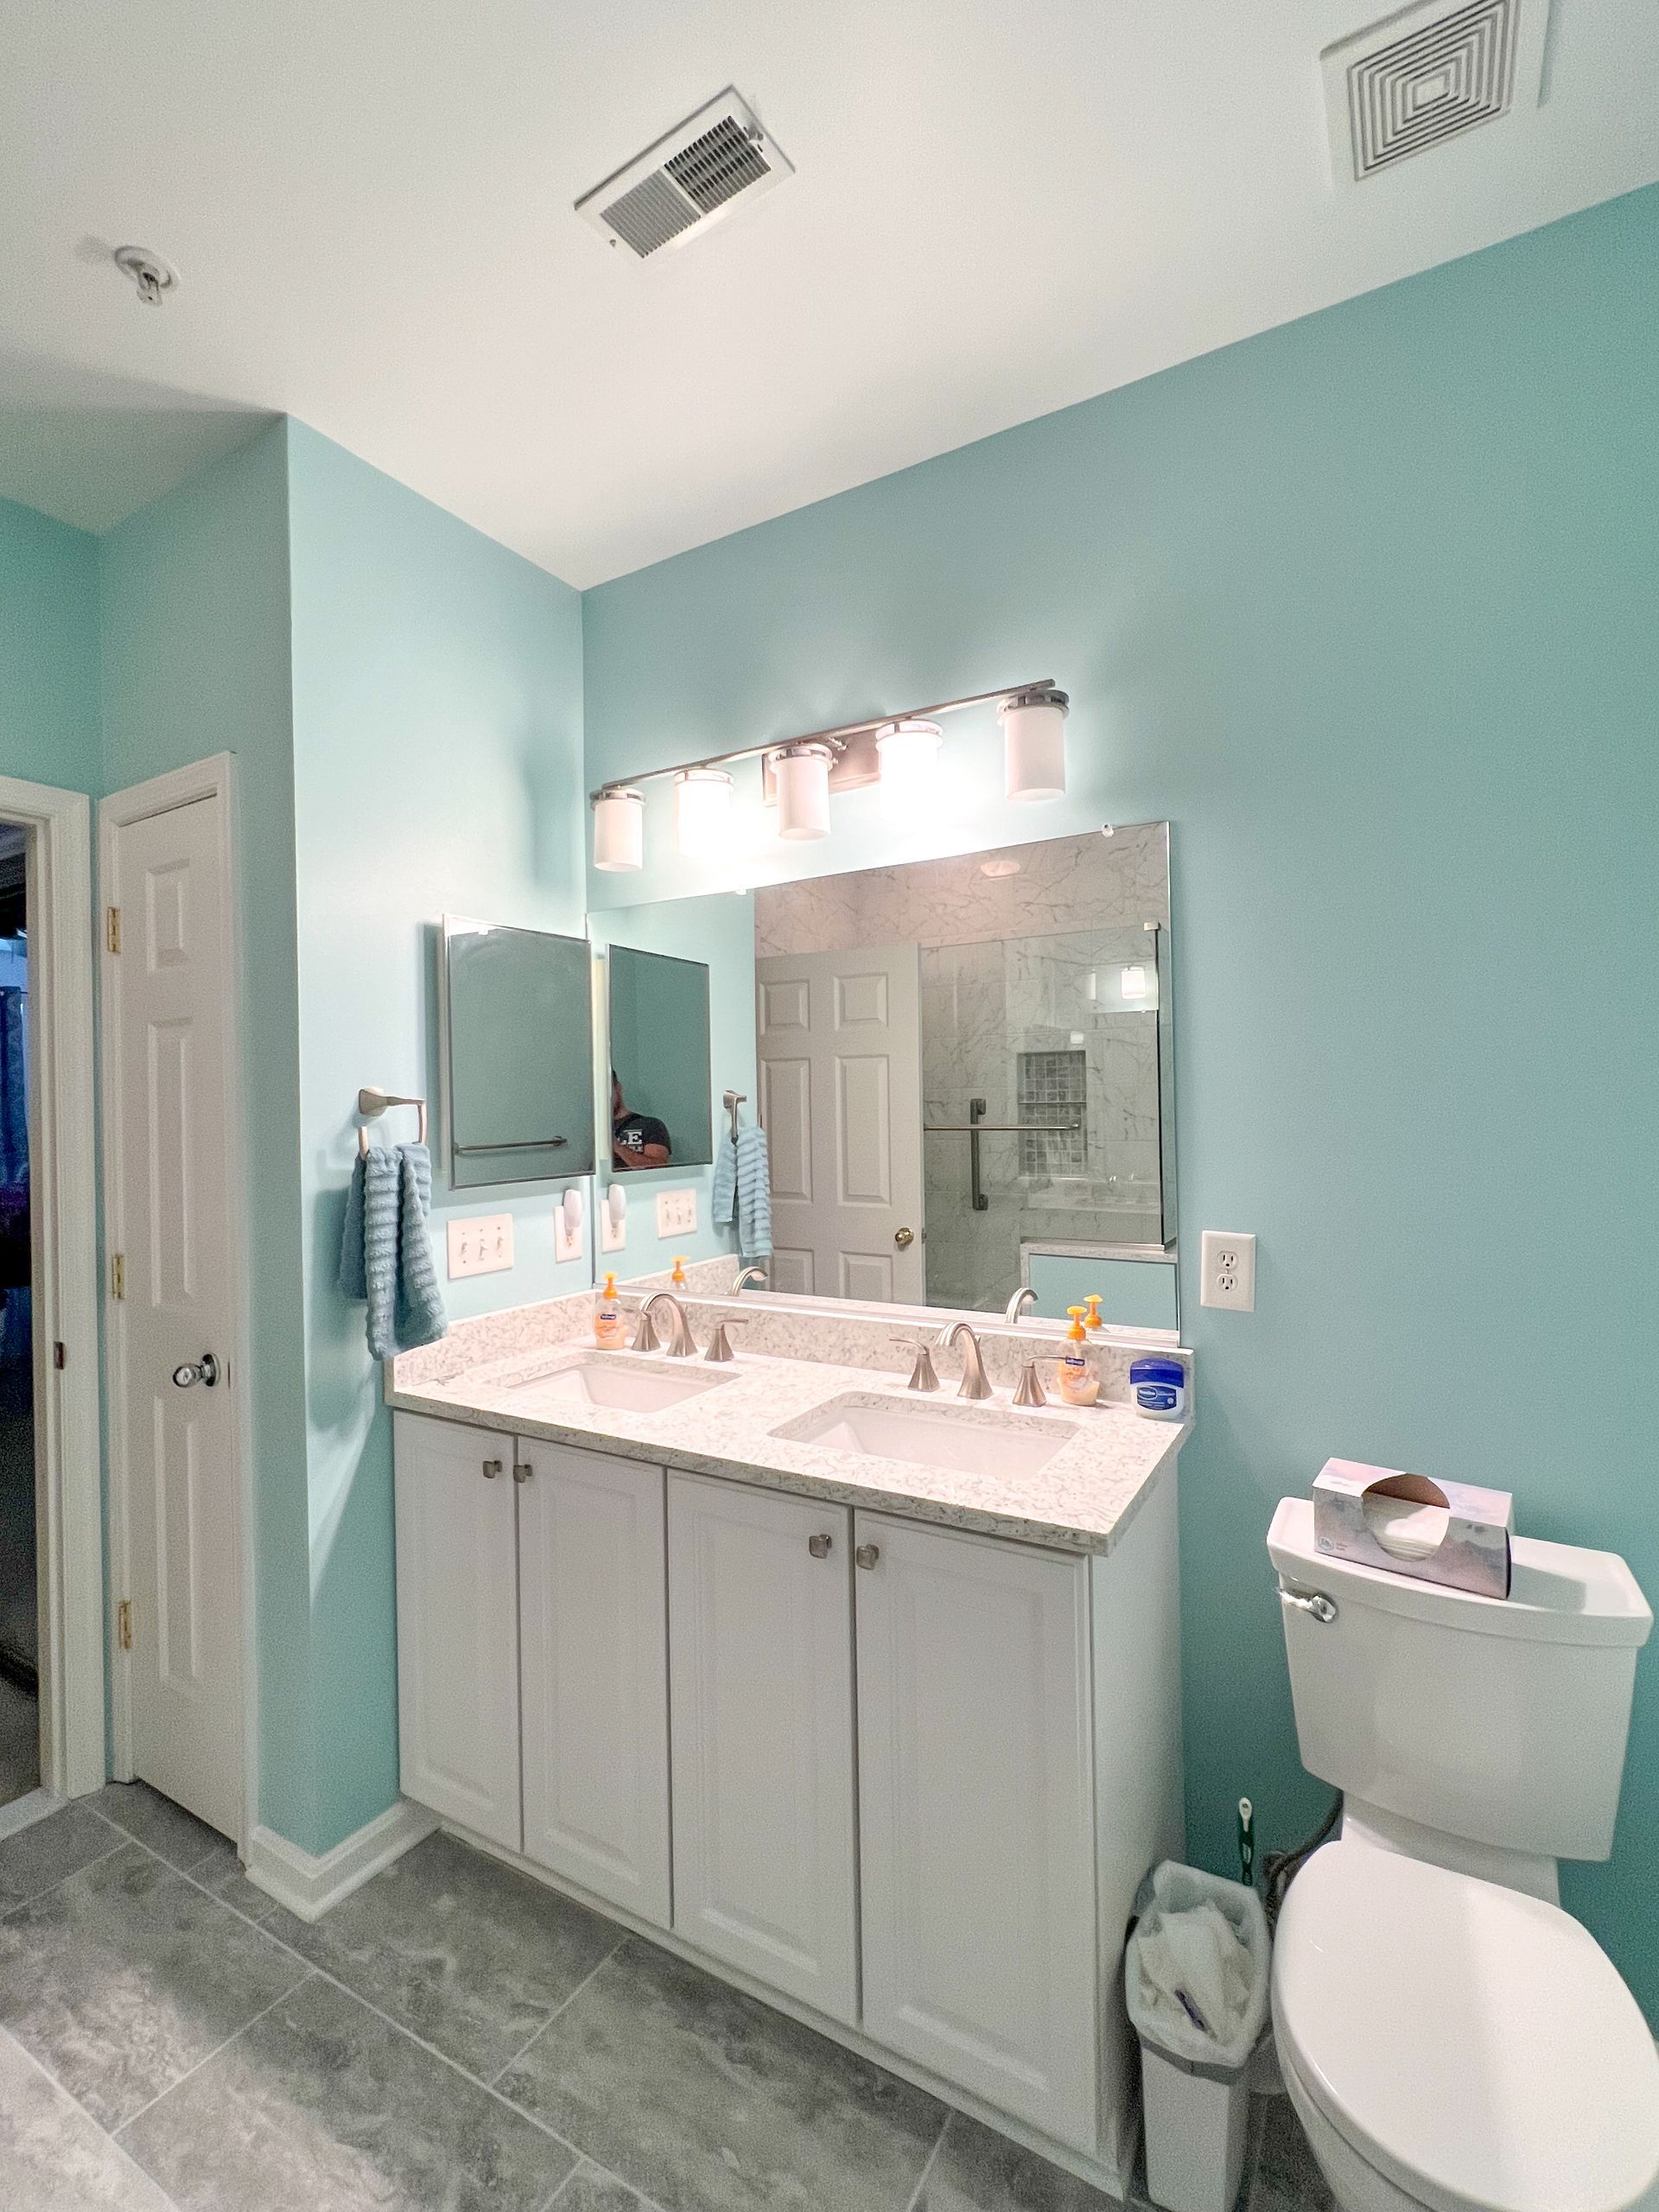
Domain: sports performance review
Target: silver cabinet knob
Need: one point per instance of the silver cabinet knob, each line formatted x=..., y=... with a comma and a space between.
x=820, y=1547
x=867, y=1555
x=491, y=1469
x=203, y=1370
x=523, y=1470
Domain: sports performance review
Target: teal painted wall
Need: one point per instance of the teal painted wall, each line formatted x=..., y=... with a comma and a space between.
x=437, y=733
x=48, y=651
x=193, y=608
x=1365, y=607
x=721, y=932
x=1134, y=1293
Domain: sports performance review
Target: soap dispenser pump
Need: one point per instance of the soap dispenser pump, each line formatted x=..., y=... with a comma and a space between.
x=1079, y=1385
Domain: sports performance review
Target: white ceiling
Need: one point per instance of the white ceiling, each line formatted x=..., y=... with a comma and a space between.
x=1000, y=207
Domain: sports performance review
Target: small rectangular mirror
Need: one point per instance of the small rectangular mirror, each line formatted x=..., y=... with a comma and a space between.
x=660, y=1109
x=516, y=1043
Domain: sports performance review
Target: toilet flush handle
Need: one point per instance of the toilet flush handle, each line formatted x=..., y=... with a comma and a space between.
x=1323, y=1609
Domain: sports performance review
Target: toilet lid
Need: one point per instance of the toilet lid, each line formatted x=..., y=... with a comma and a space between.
x=1475, y=2045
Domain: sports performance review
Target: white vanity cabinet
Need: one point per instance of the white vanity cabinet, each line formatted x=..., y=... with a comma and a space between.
x=976, y=1821
x=458, y=1625
x=761, y=1661
x=593, y=1643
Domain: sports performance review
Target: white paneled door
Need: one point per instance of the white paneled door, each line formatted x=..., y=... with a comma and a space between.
x=174, y=1294
x=838, y=1038
x=761, y=1652
x=976, y=1817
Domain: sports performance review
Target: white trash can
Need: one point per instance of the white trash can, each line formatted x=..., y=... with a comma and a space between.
x=1198, y=2000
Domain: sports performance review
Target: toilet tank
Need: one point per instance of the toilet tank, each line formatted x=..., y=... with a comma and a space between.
x=1501, y=1719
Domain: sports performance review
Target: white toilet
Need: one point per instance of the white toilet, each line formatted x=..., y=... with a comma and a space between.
x=1451, y=2040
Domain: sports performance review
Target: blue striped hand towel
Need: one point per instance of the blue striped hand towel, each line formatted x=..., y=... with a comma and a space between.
x=742, y=1191
x=385, y=1256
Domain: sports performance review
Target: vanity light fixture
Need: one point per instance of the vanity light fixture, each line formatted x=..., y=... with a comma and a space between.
x=703, y=818
x=1033, y=742
x=802, y=775
x=910, y=758
x=619, y=828
x=803, y=771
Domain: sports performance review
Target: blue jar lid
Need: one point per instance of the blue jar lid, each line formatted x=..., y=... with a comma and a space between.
x=1157, y=1371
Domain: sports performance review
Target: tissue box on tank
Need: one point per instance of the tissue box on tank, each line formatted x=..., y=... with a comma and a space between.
x=1386, y=1518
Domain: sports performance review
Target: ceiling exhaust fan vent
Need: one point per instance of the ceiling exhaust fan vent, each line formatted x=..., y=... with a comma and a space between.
x=699, y=172
x=1429, y=73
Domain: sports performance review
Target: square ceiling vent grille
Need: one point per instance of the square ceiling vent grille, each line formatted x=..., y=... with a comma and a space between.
x=718, y=159
x=1427, y=74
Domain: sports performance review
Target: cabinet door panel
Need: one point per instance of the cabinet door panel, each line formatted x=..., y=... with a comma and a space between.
x=594, y=1641
x=975, y=1818
x=760, y=1648
x=458, y=1625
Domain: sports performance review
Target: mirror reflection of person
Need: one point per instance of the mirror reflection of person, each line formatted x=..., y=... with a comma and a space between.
x=636, y=1140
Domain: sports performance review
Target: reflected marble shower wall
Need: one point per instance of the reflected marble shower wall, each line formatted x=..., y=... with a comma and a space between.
x=1041, y=1030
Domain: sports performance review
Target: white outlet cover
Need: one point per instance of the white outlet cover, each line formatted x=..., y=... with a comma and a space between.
x=613, y=1231
x=481, y=1246
x=676, y=1213
x=1227, y=1271
x=566, y=1242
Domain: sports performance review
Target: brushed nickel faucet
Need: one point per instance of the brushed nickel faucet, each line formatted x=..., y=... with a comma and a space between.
x=1016, y=1305
x=682, y=1344
x=975, y=1382
x=747, y=1276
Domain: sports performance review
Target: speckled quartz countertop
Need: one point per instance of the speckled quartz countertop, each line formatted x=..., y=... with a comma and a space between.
x=1081, y=1499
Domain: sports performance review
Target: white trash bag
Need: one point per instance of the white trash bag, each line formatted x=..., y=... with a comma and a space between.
x=1195, y=1971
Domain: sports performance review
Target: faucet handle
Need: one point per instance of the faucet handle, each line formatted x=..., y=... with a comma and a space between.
x=720, y=1349
x=923, y=1376
x=1031, y=1391
x=644, y=1335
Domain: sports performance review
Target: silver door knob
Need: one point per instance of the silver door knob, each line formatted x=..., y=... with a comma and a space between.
x=901, y=1237
x=867, y=1555
x=203, y=1370
x=819, y=1546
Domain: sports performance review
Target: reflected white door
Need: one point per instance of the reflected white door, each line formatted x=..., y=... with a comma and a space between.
x=838, y=1039
x=170, y=985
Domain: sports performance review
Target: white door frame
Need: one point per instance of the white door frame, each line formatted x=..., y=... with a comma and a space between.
x=63, y=1193
x=211, y=779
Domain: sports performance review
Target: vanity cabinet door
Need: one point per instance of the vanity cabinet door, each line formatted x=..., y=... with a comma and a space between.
x=761, y=1670
x=975, y=1823
x=458, y=1625
x=594, y=1609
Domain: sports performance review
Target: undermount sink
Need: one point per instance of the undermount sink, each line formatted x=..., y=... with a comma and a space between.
x=965, y=1438
x=619, y=1383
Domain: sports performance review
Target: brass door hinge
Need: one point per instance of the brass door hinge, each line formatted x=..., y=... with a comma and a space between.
x=123, y=1624
x=112, y=928
x=117, y=1275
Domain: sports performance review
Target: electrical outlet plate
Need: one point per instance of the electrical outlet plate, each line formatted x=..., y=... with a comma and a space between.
x=566, y=1242
x=676, y=1213
x=481, y=1246
x=1227, y=1270
x=613, y=1236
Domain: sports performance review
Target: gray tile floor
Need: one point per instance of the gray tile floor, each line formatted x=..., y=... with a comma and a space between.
x=453, y=2036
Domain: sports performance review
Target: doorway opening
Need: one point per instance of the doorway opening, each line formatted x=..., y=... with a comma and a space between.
x=20, y=1623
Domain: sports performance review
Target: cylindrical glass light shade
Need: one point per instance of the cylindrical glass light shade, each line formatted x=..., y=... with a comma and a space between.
x=620, y=827
x=1034, y=744
x=802, y=774
x=910, y=759
x=705, y=811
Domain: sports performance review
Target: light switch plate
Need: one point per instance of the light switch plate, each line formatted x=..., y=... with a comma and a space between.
x=482, y=1246
x=1227, y=1271
x=676, y=1213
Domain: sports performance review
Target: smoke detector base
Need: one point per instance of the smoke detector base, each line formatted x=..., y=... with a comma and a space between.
x=152, y=278
x=718, y=159
x=1428, y=73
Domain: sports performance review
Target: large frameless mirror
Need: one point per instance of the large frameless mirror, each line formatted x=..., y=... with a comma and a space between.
x=516, y=1045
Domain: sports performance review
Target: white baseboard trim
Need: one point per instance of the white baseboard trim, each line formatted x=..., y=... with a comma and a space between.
x=24, y=1811
x=309, y=1886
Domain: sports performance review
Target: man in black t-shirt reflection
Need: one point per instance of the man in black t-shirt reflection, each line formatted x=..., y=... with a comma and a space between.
x=636, y=1140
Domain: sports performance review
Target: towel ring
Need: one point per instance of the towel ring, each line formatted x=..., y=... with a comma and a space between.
x=372, y=1104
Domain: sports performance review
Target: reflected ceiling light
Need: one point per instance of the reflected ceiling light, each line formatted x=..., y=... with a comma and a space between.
x=1132, y=984
x=910, y=758
x=703, y=812
x=1034, y=743
x=802, y=775
x=999, y=868
x=620, y=827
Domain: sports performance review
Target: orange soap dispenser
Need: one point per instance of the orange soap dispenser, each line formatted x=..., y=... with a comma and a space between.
x=1079, y=1384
